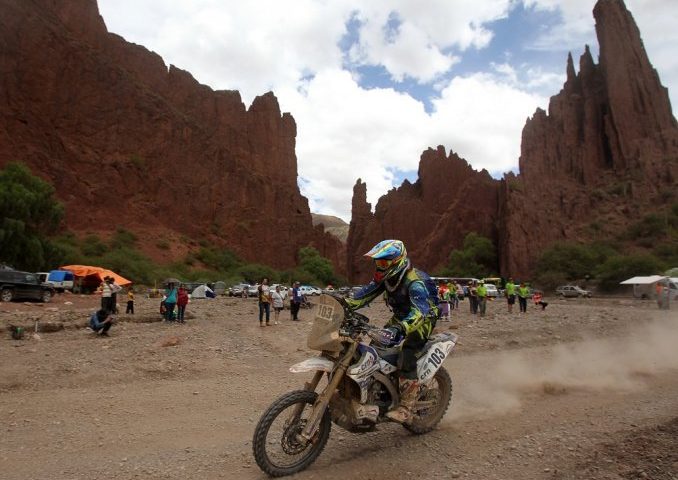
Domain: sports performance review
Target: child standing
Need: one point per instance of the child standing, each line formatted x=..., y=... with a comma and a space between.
x=130, y=302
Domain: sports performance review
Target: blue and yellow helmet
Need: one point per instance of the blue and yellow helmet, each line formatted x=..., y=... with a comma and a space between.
x=390, y=258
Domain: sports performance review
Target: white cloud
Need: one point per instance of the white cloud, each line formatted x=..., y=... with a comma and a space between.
x=480, y=118
x=346, y=131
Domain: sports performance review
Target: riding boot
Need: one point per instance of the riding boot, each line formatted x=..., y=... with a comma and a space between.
x=409, y=391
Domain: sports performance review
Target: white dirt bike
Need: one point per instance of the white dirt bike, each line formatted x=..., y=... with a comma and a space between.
x=362, y=385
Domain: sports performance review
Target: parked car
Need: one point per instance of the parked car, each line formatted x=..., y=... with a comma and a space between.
x=307, y=290
x=329, y=290
x=253, y=290
x=15, y=284
x=492, y=290
x=566, y=291
x=317, y=290
x=236, y=290
x=344, y=291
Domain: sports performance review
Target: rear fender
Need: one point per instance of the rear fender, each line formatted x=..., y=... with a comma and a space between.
x=313, y=364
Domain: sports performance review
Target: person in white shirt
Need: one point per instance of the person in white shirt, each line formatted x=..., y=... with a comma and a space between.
x=278, y=303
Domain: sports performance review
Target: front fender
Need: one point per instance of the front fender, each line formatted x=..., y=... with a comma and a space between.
x=312, y=364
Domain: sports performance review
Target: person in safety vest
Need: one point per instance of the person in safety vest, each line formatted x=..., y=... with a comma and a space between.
x=481, y=292
x=413, y=298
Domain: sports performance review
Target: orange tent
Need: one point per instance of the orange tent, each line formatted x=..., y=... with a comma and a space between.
x=97, y=272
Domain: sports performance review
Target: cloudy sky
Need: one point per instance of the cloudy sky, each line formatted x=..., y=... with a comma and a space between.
x=373, y=83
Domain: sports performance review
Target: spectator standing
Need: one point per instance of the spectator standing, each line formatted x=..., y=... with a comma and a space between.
x=444, y=295
x=115, y=288
x=481, y=292
x=171, y=294
x=182, y=301
x=295, y=302
x=523, y=293
x=538, y=299
x=510, y=292
x=105, y=295
x=473, y=297
x=264, y=302
x=101, y=322
x=278, y=303
x=130, y=302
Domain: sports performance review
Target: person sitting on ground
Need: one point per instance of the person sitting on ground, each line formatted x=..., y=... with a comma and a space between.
x=101, y=322
x=537, y=298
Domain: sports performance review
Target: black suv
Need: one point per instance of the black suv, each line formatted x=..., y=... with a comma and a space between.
x=15, y=284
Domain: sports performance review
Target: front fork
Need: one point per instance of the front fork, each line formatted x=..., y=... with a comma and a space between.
x=324, y=398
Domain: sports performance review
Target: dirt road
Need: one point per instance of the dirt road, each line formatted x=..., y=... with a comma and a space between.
x=586, y=389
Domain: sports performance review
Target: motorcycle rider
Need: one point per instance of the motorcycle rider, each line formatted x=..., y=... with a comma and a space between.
x=413, y=298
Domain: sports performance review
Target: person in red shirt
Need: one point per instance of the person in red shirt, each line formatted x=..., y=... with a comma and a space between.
x=182, y=301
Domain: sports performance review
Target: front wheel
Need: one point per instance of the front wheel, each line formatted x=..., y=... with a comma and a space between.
x=276, y=446
x=6, y=295
x=432, y=403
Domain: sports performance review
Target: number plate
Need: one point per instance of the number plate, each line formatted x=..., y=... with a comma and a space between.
x=325, y=312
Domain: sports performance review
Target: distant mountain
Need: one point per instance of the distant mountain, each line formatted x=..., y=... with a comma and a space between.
x=599, y=166
x=128, y=141
x=333, y=225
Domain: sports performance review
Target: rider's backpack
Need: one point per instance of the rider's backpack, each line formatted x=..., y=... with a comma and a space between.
x=430, y=286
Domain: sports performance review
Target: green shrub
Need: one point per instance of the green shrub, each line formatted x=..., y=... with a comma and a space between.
x=317, y=266
x=651, y=227
x=620, y=267
x=571, y=260
x=222, y=260
x=122, y=238
x=478, y=258
x=92, y=246
x=29, y=214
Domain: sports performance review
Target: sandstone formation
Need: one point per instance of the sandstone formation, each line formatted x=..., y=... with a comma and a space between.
x=431, y=216
x=604, y=155
x=333, y=225
x=128, y=141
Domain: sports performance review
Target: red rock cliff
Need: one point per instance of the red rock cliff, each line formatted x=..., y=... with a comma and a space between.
x=606, y=151
x=431, y=216
x=127, y=141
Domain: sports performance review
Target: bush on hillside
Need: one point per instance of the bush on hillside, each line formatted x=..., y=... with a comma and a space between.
x=477, y=258
x=620, y=267
x=29, y=214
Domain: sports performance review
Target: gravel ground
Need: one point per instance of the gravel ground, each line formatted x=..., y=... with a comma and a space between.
x=584, y=389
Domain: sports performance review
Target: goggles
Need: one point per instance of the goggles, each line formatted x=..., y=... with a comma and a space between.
x=383, y=264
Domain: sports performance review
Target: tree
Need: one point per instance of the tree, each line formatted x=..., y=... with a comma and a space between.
x=620, y=267
x=29, y=214
x=318, y=266
x=477, y=258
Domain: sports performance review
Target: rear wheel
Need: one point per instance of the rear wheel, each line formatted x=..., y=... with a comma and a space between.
x=6, y=295
x=432, y=403
x=276, y=446
x=46, y=296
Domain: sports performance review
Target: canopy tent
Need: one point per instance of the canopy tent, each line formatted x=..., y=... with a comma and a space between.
x=644, y=287
x=642, y=280
x=86, y=271
x=202, y=291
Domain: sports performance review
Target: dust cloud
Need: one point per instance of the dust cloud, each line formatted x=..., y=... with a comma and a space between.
x=496, y=383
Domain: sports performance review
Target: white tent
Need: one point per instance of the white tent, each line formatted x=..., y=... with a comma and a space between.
x=644, y=287
x=202, y=291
